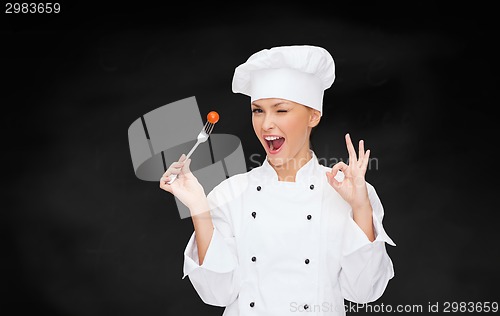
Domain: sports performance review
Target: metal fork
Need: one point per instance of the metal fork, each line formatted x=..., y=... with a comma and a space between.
x=202, y=137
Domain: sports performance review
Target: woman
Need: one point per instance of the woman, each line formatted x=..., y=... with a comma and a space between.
x=291, y=235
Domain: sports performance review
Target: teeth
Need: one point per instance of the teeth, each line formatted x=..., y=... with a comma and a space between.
x=271, y=137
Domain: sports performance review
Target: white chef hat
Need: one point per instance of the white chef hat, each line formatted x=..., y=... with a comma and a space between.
x=297, y=73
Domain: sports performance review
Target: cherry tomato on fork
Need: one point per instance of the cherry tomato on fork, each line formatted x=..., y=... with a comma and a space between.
x=213, y=117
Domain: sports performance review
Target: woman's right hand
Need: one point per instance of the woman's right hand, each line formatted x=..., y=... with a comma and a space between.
x=186, y=187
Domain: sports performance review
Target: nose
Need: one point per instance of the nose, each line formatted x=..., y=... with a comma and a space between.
x=268, y=122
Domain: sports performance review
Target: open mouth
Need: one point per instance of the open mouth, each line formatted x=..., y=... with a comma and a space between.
x=274, y=143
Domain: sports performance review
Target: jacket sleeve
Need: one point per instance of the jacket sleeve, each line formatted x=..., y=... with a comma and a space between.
x=217, y=280
x=365, y=266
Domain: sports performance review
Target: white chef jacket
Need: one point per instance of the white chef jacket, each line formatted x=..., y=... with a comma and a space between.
x=279, y=248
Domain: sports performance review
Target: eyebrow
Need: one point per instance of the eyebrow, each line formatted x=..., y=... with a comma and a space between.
x=274, y=105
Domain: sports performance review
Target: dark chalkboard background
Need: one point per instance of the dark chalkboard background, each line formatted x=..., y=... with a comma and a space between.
x=82, y=235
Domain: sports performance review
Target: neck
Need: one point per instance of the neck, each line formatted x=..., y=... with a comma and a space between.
x=288, y=170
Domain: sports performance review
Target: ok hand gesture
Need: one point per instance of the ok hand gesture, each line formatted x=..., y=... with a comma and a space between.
x=353, y=187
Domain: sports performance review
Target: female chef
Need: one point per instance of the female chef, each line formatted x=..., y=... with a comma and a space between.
x=290, y=235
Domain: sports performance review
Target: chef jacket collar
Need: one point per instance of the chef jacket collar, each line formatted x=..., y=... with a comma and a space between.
x=306, y=173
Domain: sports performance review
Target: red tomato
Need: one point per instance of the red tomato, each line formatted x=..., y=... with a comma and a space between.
x=213, y=117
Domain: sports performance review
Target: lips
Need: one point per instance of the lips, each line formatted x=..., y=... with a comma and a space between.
x=274, y=143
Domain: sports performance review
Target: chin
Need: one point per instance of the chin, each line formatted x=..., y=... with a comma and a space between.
x=278, y=161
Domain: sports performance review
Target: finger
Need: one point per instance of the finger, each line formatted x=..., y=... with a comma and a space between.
x=164, y=179
x=172, y=171
x=174, y=166
x=339, y=166
x=333, y=182
x=366, y=159
x=350, y=149
x=185, y=169
x=182, y=157
x=345, y=168
x=177, y=164
x=361, y=153
x=165, y=186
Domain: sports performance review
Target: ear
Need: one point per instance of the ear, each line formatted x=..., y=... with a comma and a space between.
x=314, y=118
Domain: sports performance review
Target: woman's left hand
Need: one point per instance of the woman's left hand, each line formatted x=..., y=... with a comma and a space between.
x=353, y=187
